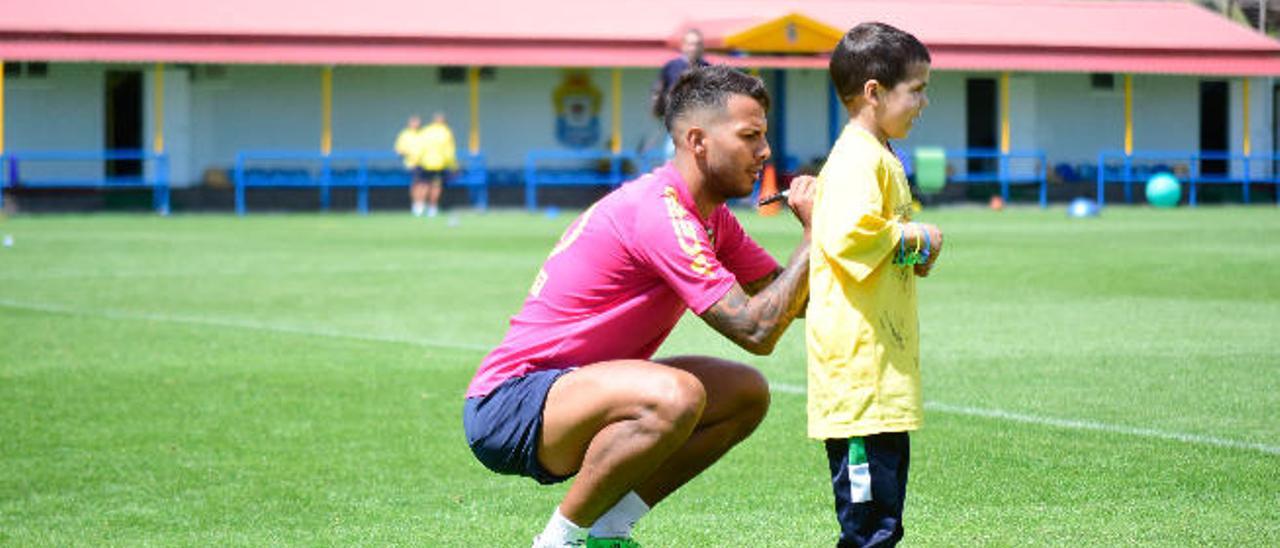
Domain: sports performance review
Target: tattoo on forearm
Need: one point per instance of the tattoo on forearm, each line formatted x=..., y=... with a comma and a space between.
x=756, y=322
x=755, y=286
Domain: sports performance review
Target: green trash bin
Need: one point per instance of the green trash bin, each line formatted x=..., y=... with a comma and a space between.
x=931, y=169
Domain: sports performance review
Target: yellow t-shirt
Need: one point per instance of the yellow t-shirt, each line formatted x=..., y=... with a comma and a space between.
x=438, y=150
x=861, y=329
x=409, y=146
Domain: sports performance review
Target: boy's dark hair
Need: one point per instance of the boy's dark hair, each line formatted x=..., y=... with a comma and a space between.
x=873, y=51
x=711, y=86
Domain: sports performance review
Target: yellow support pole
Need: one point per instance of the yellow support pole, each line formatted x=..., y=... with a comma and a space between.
x=1, y=107
x=1244, y=104
x=326, y=110
x=473, y=81
x=616, y=141
x=1128, y=114
x=157, y=140
x=1004, y=113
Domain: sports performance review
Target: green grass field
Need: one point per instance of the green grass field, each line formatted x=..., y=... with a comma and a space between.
x=297, y=380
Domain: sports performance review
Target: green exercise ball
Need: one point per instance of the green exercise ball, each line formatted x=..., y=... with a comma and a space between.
x=1164, y=190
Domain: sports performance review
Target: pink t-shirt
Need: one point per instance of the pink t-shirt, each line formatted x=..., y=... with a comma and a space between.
x=620, y=278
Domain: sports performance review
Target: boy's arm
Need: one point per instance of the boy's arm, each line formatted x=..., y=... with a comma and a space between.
x=851, y=233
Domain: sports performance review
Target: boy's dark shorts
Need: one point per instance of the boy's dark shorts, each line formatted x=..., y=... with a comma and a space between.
x=878, y=521
x=503, y=427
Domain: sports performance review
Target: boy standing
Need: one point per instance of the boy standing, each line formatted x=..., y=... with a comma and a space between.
x=862, y=333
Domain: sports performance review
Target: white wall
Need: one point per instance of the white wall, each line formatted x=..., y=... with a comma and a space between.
x=1078, y=121
x=1166, y=112
x=207, y=120
x=254, y=107
x=807, y=116
x=279, y=108
x=1075, y=122
x=63, y=111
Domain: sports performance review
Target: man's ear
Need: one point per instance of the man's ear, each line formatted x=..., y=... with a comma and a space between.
x=696, y=138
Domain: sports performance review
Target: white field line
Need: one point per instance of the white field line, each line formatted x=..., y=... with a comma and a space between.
x=785, y=388
x=238, y=324
x=1072, y=424
x=247, y=271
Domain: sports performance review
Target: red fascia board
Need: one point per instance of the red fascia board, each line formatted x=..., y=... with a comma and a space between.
x=328, y=50
x=1141, y=61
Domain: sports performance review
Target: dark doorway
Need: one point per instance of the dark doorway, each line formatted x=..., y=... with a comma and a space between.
x=1275, y=129
x=1213, y=125
x=981, y=117
x=123, y=103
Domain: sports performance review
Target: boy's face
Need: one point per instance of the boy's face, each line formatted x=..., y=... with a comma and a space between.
x=899, y=107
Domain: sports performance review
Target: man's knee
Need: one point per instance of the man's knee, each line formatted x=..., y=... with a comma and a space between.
x=674, y=402
x=739, y=392
x=753, y=398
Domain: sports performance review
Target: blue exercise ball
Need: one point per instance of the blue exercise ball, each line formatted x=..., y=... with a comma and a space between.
x=1164, y=190
x=1082, y=207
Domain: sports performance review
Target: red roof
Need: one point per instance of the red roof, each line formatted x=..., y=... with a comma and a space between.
x=1039, y=35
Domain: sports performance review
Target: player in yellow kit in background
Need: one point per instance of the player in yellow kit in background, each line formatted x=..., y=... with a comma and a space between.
x=438, y=159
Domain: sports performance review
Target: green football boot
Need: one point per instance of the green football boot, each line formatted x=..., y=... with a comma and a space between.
x=595, y=542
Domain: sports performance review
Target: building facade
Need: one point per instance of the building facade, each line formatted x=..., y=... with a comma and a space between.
x=202, y=96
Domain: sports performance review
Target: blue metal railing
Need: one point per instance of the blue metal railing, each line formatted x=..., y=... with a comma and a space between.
x=1009, y=169
x=15, y=172
x=586, y=167
x=358, y=169
x=1117, y=167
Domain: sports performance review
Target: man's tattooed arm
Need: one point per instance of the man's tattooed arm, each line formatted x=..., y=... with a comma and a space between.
x=754, y=286
x=754, y=317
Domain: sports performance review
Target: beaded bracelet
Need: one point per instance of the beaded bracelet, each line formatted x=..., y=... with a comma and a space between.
x=917, y=256
x=928, y=247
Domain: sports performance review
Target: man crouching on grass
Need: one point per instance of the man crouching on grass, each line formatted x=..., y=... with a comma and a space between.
x=574, y=389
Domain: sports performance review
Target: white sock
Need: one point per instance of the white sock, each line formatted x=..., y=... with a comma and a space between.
x=418, y=209
x=618, y=521
x=561, y=532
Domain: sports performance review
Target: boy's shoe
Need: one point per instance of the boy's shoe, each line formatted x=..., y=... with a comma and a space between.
x=538, y=543
x=596, y=542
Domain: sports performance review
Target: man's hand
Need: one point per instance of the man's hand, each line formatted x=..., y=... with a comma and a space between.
x=800, y=199
x=935, y=246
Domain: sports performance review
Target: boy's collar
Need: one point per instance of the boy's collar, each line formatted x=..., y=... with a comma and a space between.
x=864, y=131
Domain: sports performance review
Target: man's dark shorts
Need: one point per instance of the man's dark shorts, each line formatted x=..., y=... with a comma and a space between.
x=418, y=174
x=503, y=427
